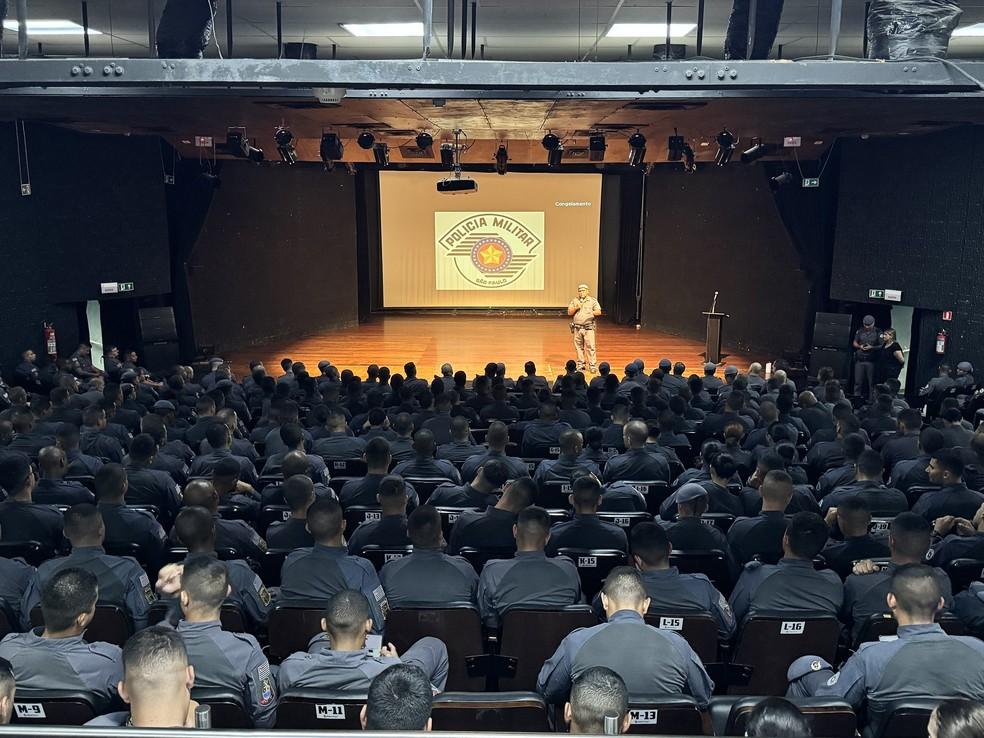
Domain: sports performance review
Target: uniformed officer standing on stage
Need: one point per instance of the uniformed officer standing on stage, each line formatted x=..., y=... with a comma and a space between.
x=583, y=310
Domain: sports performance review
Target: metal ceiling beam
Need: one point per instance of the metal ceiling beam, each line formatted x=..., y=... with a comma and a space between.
x=437, y=74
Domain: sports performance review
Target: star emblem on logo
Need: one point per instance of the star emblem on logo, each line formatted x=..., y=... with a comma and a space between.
x=491, y=255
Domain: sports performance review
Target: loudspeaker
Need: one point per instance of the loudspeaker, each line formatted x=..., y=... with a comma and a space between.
x=157, y=324
x=837, y=359
x=161, y=356
x=832, y=330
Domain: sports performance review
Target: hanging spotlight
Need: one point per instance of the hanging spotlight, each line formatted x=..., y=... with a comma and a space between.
x=596, y=147
x=238, y=144
x=365, y=140
x=501, y=159
x=447, y=155
x=285, y=145
x=425, y=141
x=332, y=149
x=727, y=142
x=757, y=151
x=555, y=150
x=637, y=150
x=780, y=181
x=689, y=160
x=381, y=153
x=675, y=146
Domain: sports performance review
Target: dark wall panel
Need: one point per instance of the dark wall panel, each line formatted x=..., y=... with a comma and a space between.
x=719, y=230
x=276, y=256
x=96, y=214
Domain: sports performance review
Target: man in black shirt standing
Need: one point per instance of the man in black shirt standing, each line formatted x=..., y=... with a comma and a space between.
x=867, y=341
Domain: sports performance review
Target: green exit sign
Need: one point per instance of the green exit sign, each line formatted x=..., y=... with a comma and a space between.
x=811, y=182
x=126, y=286
x=876, y=294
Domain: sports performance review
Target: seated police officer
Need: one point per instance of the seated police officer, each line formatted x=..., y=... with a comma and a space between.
x=423, y=464
x=721, y=468
x=493, y=527
x=852, y=518
x=156, y=684
x=945, y=471
x=763, y=534
x=79, y=464
x=293, y=439
x=751, y=496
x=337, y=443
x=20, y=518
x=399, y=699
x=915, y=472
x=567, y=464
x=495, y=440
x=650, y=660
x=544, y=432
x=234, y=534
x=125, y=524
x=599, y=699
x=219, y=439
x=792, y=585
x=636, y=463
x=320, y=572
x=93, y=438
x=428, y=576
x=122, y=582
x=459, y=445
x=390, y=530
x=338, y=659
x=15, y=576
x=149, y=486
x=298, y=492
x=865, y=589
x=923, y=662
x=867, y=486
x=234, y=491
x=688, y=532
x=52, y=488
x=480, y=492
x=363, y=491
x=195, y=529
x=55, y=656
x=957, y=538
x=294, y=463
x=671, y=592
x=222, y=660
x=530, y=578
x=586, y=529
x=846, y=472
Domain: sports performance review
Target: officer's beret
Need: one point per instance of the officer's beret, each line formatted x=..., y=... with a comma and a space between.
x=868, y=320
x=690, y=492
x=665, y=364
x=14, y=468
x=965, y=366
x=805, y=665
x=324, y=364
x=163, y=406
x=710, y=366
x=227, y=467
x=731, y=369
x=128, y=376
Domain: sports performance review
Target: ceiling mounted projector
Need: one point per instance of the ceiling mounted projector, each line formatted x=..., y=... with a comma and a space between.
x=457, y=186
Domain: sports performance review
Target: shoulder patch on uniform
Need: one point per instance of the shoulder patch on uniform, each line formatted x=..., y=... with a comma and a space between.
x=148, y=590
x=379, y=594
x=264, y=683
x=833, y=680
x=261, y=591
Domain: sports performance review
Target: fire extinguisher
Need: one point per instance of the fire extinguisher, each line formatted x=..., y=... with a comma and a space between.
x=50, y=341
x=941, y=342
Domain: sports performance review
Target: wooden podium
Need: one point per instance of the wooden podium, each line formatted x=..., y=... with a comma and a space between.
x=712, y=343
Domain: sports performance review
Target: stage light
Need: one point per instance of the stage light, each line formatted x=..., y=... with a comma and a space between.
x=550, y=142
x=780, y=181
x=381, y=153
x=756, y=152
x=675, y=146
x=555, y=150
x=447, y=155
x=637, y=150
x=726, y=142
x=285, y=145
x=424, y=141
x=185, y=29
x=365, y=140
x=238, y=145
x=501, y=159
x=332, y=149
x=689, y=160
x=596, y=148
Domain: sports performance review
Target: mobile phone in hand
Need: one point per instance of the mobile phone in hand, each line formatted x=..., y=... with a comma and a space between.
x=374, y=645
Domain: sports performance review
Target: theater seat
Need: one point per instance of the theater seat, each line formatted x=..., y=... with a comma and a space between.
x=228, y=710
x=269, y=515
x=449, y=515
x=177, y=554
x=883, y=625
x=532, y=634
x=425, y=486
x=356, y=515
x=320, y=709
x=55, y=707
x=457, y=624
x=232, y=512
x=964, y=572
x=111, y=624
x=502, y=712
x=654, y=490
x=721, y=521
x=593, y=565
x=382, y=555
x=698, y=629
x=133, y=550
x=479, y=557
x=271, y=563
x=354, y=468
x=770, y=643
x=626, y=520
x=907, y=718
x=291, y=626
x=554, y=495
x=89, y=482
x=665, y=715
x=32, y=552
x=711, y=563
x=831, y=718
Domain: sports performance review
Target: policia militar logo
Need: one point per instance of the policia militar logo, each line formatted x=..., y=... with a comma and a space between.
x=492, y=250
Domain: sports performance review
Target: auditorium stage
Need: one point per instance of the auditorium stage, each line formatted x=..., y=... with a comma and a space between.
x=469, y=342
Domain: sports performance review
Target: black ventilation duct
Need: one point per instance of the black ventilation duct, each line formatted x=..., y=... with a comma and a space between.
x=767, y=17
x=185, y=29
x=902, y=29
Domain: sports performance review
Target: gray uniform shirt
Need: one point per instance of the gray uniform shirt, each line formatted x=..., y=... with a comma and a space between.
x=428, y=577
x=792, y=585
x=529, y=579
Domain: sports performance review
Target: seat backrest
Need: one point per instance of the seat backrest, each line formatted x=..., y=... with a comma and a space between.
x=228, y=712
x=177, y=554
x=907, y=718
x=356, y=515
x=320, y=709
x=89, y=482
x=271, y=563
x=51, y=707
x=457, y=624
x=32, y=552
x=832, y=718
x=231, y=618
x=626, y=520
x=593, y=565
x=512, y=712
x=291, y=627
x=554, y=495
x=425, y=486
x=964, y=572
x=382, y=555
x=770, y=643
x=654, y=490
x=347, y=467
x=271, y=514
x=479, y=557
x=449, y=515
x=698, y=629
x=879, y=525
x=110, y=624
x=127, y=548
x=711, y=563
x=665, y=715
x=232, y=512
x=722, y=521
x=531, y=635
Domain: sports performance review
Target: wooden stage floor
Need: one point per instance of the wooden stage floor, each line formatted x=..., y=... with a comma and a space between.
x=469, y=342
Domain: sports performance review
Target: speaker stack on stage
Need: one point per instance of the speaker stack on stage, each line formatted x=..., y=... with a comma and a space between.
x=831, y=344
x=160, y=338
